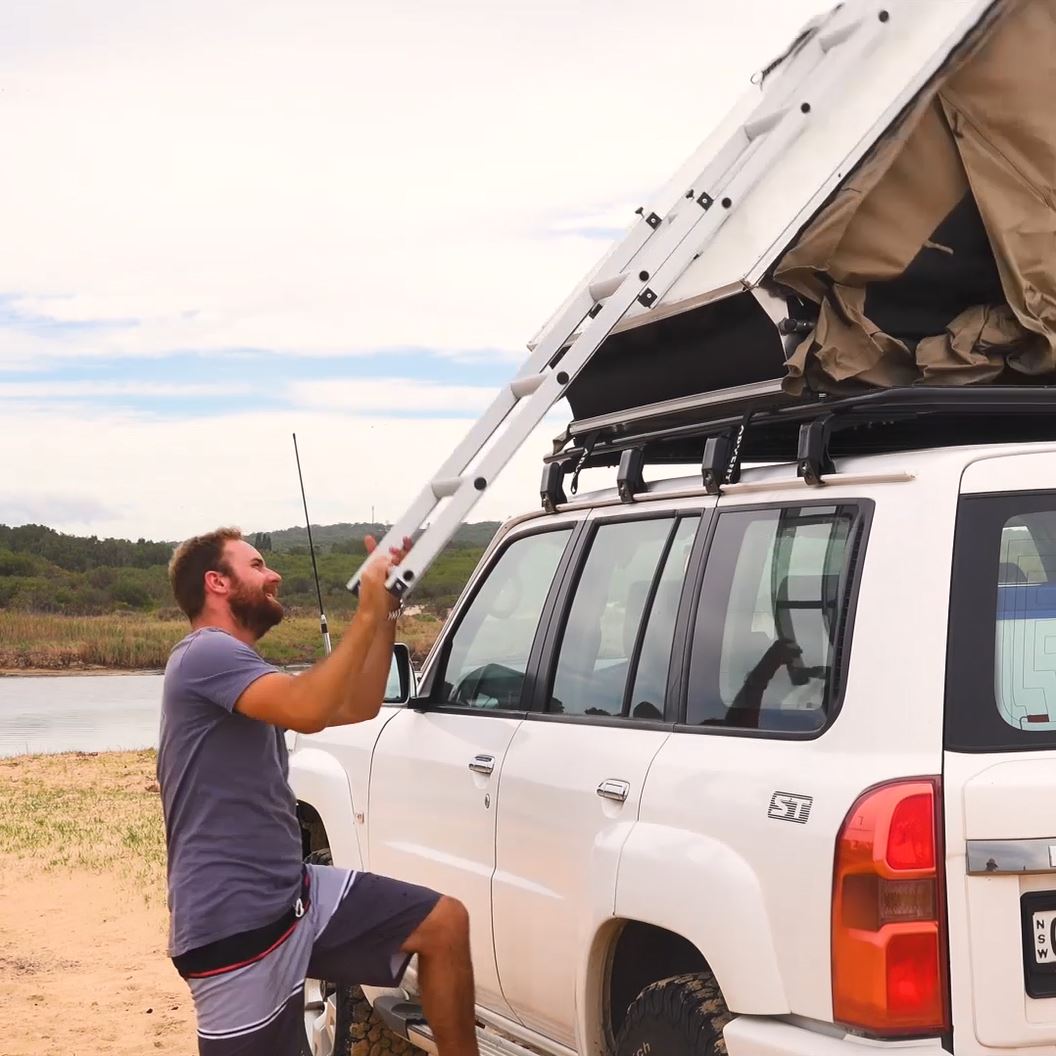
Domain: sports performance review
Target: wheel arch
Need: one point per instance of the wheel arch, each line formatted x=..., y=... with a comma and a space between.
x=639, y=954
x=325, y=807
x=713, y=901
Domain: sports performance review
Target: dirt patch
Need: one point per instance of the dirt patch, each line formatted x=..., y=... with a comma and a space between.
x=83, y=962
x=83, y=922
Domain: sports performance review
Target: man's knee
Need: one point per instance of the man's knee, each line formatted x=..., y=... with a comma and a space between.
x=447, y=925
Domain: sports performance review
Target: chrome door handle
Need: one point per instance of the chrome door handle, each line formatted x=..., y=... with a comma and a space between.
x=610, y=788
x=483, y=764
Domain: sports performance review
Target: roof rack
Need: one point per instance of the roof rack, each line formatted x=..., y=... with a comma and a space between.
x=760, y=423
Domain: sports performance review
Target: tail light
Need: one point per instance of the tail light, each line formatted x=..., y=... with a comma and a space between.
x=889, y=960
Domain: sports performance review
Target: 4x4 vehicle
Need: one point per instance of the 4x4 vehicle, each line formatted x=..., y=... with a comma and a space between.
x=787, y=754
x=762, y=759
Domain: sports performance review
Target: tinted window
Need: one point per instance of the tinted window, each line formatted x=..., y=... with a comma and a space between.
x=489, y=651
x=1025, y=633
x=646, y=699
x=601, y=631
x=1001, y=663
x=770, y=615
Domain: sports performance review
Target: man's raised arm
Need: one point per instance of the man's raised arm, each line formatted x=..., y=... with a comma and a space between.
x=345, y=686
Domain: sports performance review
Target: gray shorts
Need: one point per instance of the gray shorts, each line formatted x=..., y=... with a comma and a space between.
x=351, y=933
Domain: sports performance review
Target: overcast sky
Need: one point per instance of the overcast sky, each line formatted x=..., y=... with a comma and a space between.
x=226, y=221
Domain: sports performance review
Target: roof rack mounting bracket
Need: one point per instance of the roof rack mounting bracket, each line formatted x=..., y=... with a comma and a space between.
x=721, y=464
x=629, y=479
x=813, y=459
x=552, y=488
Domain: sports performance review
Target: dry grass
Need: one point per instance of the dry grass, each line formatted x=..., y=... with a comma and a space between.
x=142, y=642
x=91, y=812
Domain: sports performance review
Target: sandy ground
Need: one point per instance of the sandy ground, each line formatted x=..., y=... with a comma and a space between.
x=83, y=969
x=83, y=922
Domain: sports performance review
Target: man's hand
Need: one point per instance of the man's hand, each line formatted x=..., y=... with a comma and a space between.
x=375, y=572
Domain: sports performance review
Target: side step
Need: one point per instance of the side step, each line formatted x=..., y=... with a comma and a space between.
x=406, y=1018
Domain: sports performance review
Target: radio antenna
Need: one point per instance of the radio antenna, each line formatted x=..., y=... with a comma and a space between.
x=311, y=549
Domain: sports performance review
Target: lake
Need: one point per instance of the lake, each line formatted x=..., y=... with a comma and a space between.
x=78, y=713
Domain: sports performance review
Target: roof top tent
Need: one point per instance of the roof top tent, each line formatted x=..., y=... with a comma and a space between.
x=905, y=237
x=876, y=213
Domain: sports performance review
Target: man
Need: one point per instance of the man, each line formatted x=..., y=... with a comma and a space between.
x=248, y=921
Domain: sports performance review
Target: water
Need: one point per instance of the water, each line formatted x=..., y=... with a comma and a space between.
x=85, y=713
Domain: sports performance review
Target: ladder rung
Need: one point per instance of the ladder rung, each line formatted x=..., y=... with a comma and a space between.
x=838, y=34
x=762, y=124
x=521, y=387
x=445, y=486
x=605, y=288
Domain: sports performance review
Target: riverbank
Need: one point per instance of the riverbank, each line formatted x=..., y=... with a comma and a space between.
x=83, y=918
x=52, y=643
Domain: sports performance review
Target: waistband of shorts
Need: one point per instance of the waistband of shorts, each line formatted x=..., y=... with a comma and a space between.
x=246, y=947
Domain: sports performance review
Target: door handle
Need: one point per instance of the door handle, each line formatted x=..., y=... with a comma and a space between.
x=483, y=764
x=611, y=788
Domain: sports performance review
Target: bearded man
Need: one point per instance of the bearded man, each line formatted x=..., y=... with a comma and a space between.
x=249, y=921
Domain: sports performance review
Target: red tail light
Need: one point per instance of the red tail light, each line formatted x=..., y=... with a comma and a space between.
x=888, y=937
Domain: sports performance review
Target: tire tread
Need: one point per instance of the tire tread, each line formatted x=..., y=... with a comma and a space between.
x=691, y=1006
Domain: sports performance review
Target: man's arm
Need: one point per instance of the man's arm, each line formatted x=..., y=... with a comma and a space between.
x=366, y=693
x=314, y=700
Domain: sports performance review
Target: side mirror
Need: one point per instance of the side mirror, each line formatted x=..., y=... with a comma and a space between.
x=401, y=684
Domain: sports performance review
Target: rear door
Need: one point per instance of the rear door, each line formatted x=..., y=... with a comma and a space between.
x=575, y=769
x=1000, y=764
x=435, y=771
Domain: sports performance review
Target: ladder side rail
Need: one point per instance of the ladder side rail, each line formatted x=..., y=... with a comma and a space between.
x=673, y=235
x=672, y=253
x=693, y=175
x=530, y=414
x=662, y=202
x=827, y=74
x=464, y=496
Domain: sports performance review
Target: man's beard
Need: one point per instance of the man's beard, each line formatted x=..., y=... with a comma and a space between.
x=256, y=610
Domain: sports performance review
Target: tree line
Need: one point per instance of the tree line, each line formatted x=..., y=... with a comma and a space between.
x=42, y=570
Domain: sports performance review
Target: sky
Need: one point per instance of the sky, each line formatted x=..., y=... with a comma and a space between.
x=226, y=221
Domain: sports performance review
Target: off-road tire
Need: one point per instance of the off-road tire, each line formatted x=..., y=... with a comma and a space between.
x=358, y=1031
x=680, y=1016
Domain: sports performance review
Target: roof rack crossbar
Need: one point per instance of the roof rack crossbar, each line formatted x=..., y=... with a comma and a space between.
x=666, y=424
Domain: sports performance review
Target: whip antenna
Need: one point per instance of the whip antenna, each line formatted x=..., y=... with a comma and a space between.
x=311, y=549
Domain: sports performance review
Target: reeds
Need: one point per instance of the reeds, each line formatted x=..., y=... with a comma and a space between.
x=141, y=642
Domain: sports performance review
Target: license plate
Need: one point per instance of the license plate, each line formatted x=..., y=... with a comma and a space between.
x=1038, y=914
x=1043, y=927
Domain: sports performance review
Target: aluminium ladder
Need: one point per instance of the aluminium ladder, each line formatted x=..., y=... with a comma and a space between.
x=639, y=270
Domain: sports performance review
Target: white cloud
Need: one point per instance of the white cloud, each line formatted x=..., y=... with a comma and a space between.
x=397, y=395
x=89, y=390
x=164, y=479
x=326, y=175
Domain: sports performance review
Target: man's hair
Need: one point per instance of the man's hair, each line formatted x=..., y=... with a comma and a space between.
x=190, y=562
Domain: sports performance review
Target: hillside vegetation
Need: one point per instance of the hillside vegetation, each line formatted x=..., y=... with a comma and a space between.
x=44, y=571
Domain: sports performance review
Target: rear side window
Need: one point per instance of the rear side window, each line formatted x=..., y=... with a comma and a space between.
x=770, y=618
x=1001, y=665
x=602, y=628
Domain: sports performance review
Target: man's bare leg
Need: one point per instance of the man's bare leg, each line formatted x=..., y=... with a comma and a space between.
x=445, y=977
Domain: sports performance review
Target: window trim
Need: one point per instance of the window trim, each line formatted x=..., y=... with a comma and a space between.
x=972, y=722
x=547, y=670
x=851, y=578
x=426, y=701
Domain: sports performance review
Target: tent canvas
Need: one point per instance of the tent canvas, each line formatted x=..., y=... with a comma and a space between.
x=907, y=234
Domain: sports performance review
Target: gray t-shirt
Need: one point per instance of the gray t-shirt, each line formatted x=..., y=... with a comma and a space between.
x=234, y=844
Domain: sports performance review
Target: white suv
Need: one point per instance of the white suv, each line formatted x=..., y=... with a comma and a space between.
x=763, y=760
x=772, y=769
